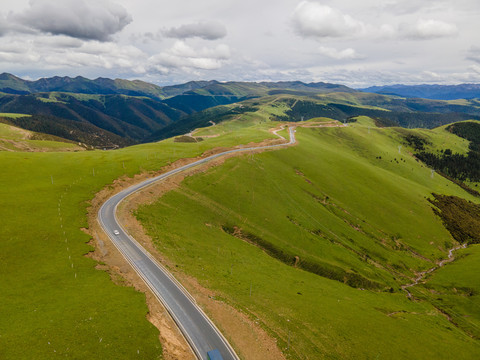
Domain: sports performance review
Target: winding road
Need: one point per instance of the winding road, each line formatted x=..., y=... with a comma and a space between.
x=199, y=331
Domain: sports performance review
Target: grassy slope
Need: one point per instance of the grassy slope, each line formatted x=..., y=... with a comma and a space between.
x=54, y=302
x=16, y=139
x=270, y=195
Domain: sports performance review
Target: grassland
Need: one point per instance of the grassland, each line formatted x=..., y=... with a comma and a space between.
x=54, y=302
x=368, y=237
x=350, y=201
x=16, y=139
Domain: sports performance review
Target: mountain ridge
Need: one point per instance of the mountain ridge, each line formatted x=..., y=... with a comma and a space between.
x=13, y=84
x=425, y=91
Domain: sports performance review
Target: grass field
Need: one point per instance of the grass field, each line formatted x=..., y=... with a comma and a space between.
x=344, y=206
x=372, y=233
x=54, y=302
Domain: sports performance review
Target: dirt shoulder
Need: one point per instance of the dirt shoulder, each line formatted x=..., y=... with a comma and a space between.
x=249, y=339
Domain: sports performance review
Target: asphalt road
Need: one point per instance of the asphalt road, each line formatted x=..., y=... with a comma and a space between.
x=200, y=332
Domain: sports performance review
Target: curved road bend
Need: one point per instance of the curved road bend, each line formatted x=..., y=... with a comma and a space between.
x=200, y=332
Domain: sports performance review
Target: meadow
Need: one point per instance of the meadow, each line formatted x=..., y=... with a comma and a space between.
x=315, y=242
x=54, y=302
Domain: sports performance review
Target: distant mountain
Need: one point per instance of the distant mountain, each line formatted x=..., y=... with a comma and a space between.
x=122, y=112
x=130, y=110
x=12, y=84
x=438, y=92
x=251, y=89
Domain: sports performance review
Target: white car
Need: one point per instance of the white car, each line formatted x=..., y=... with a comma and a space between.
x=116, y=232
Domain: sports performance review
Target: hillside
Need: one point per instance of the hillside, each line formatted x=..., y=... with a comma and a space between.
x=293, y=106
x=56, y=299
x=345, y=221
x=17, y=139
x=438, y=92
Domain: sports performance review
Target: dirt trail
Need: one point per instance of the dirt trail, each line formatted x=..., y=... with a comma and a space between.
x=421, y=275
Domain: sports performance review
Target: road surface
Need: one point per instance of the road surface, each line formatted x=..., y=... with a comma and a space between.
x=199, y=331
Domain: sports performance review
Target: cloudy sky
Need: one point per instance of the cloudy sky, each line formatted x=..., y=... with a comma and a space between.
x=356, y=43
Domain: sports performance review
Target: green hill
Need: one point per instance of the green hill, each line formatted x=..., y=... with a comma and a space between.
x=313, y=243
x=16, y=139
x=296, y=106
x=318, y=241
x=56, y=300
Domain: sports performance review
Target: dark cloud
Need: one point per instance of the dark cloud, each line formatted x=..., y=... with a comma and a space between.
x=3, y=27
x=84, y=19
x=474, y=54
x=207, y=30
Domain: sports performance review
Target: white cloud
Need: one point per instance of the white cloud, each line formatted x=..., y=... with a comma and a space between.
x=105, y=55
x=426, y=29
x=186, y=57
x=346, y=54
x=207, y=30
x=84, y=19
x=312, y=19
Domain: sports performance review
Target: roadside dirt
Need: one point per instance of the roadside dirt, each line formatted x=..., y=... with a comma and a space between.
x=250, y=340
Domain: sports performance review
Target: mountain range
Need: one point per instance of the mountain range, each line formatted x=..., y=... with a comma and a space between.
x=110, y=113
x=438, y=92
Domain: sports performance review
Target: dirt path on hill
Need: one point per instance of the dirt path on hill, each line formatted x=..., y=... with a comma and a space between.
x=250, y=340
x=421, y=275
